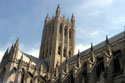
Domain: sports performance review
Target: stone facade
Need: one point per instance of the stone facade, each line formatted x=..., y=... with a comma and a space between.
x=57, y=63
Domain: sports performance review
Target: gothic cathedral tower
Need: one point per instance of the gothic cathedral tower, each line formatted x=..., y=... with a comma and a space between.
x=58, y=40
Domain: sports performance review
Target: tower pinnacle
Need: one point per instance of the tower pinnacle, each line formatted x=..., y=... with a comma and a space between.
x=73, y=20
x=107, y=40
x=58, y=11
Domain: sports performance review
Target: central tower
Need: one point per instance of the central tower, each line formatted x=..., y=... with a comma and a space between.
x=58, y=39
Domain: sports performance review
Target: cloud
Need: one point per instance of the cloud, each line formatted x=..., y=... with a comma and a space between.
x=81, y=47
x=91, y=33
x=119, y=20
x=94, y=33
x=96, y=4
x=93, y=7
x=33, y=52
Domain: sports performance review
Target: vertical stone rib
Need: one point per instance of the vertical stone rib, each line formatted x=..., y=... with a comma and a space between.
x=62, y=45
x=67, y=38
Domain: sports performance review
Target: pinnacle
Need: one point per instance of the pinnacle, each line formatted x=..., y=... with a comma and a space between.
x=107, y=40
x=58, y=6
x=72, y=18
x=17, y=40
x=47, y=16
x=78, y=52
x=91, y=46
x=72, y=15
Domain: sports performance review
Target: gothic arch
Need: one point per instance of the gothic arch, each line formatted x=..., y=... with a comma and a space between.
x=59, y=50
x=99, y=67
x=22, y=75
x=13, y=71
x=12, y=74
x=70, y=34
x=84, y=68
x=28, y=77
x=117, y=63
x=61, y=28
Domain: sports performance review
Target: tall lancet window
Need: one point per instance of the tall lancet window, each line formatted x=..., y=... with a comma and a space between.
x=59, y=50
x=64, y=53
x=70, y=34
x=60, y=30
x=53, y=29
x=100, y=66
x=69, y=53
x=117, y=62
x=65, y=31
x=116, y=65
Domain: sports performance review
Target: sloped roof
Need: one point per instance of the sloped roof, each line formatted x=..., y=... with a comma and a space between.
x=98, y=46
x=36, y=60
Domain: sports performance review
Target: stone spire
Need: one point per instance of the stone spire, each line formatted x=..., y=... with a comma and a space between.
x=108, y=48
x=107, y=40
x=58, y=11
x=16, y=44
x=46, y=19
x=79, y=62
x=6, y=51
x=73, y=20
x=92, y=52
x=108, y=53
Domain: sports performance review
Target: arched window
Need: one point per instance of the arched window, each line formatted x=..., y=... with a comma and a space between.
x=65, y=31
x=70, y=34
x=116, y=63
x=60, y=30
x=71, y=77
x=64, y=53
x=100, y=66
x=22, y=78
x=84, y=73
x=31, y=81
x=53, y=29
x=59, y=50
x=70, y=54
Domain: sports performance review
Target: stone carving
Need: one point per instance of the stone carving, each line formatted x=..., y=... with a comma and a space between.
x=91, y=60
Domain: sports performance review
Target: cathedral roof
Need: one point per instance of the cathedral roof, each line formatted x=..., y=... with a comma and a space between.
x=36, y=60
x=97, y=47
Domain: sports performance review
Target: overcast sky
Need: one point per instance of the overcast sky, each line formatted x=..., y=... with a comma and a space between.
x=25, y=18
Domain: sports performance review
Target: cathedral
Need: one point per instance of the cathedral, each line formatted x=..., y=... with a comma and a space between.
x=57, y=62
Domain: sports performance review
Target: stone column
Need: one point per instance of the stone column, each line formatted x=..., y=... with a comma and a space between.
x=55, y=47
x=73, y=41
x=67, y=42
x=62, y=45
